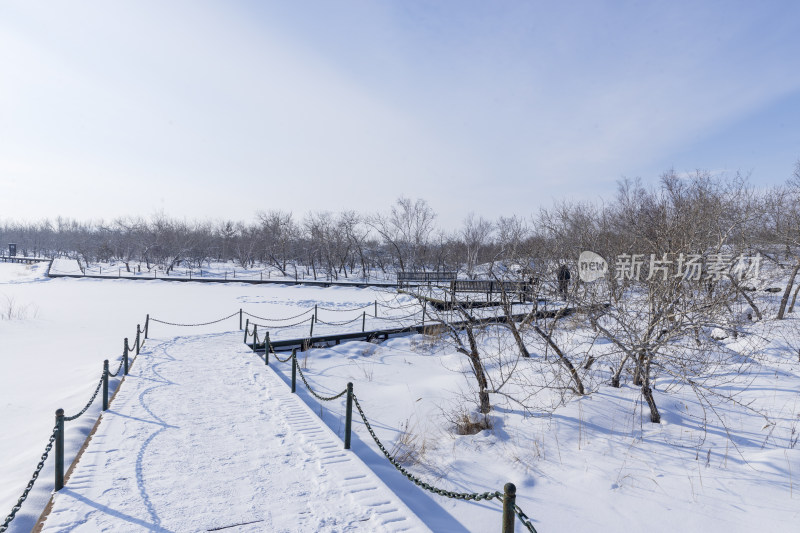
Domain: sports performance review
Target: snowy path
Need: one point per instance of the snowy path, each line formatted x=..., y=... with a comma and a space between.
x=201, y=437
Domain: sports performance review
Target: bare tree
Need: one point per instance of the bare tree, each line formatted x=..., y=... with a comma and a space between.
x=406, y=230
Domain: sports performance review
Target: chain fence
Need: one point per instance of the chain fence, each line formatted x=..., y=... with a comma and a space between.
x=289, y=358
x=278, y=319
x=338, y=323
x=34, y=477
x=346, y=310
x=86, y=407
x=53, y=435
x=314, y=394
x=283, y=326
x=466, y=496
x=412, y=315
x=193, y=325
x=119, y=369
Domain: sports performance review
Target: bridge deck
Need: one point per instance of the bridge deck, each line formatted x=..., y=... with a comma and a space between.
x=203, y=437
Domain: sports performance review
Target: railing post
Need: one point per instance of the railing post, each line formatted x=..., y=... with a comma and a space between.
x=376, y=308
x=240, y=319
x=146, y=325
x=105, y=385
x=266, y=348
x=59, y=459
x=311, y=333
x=125, y=355
x=348, y=420
x=246, y=327
x=137, y=338
x=294, y=369
x=363, y=321
x=509, y=500
x=255, y=336
x=315, y=312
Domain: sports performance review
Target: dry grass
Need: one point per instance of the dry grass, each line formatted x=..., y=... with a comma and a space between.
x=467, y=423
x=407, y=449
x=11, y=310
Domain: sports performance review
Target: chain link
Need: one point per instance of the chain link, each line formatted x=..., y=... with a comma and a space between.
x=474, y=496
x=282, y=327
x=450, y=494
x=314, y=394
x=524, y=519
x=278, y=319
x=289, y=358
x=115, y=374
x=397, y=317
x=345, y=310
x=192, y=325
x=339, y=323
x=96, y=390
x=35, y=475
x=49, y=446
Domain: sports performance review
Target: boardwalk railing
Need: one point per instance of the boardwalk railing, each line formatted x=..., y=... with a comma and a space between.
x=507, y=497
x=22, y=259
x=56, y=438
x=257, y=337
x=420, y=276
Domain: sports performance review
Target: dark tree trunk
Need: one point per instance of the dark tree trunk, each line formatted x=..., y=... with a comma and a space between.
x=576, y=379
x=480, y=375
x=647, y=392
x=788, y=291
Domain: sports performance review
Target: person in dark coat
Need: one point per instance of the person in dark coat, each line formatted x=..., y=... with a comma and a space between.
x=563, y=279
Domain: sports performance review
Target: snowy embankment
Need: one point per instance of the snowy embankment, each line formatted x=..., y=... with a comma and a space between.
x=200, y=437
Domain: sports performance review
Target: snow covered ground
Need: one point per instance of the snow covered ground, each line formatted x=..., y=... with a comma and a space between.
x=213, y=270
x=588, y=464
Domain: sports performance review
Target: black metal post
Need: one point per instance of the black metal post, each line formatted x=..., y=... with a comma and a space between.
x=246, y=327
x=105, y=385
x=311, y=334
x=125, y=355
x=363, y=321
x=59, y=459
x=255, y=336
x=266, y=348
x=146, y=325
x=316, y=316
x=348, y=420
x=376, y=308
x=509, y=500
x=294, y=369
x=240, y=319
x=138, y=338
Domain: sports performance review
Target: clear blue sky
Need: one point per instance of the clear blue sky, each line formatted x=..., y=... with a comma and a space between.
x=219, y=109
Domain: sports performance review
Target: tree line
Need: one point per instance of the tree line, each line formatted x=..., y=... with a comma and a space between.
x=680, y=254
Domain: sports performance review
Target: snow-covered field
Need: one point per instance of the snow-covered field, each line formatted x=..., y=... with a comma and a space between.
x=589, y=464
x=214, y=270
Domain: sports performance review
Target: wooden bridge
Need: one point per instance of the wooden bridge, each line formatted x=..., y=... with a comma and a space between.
x=22, y=259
